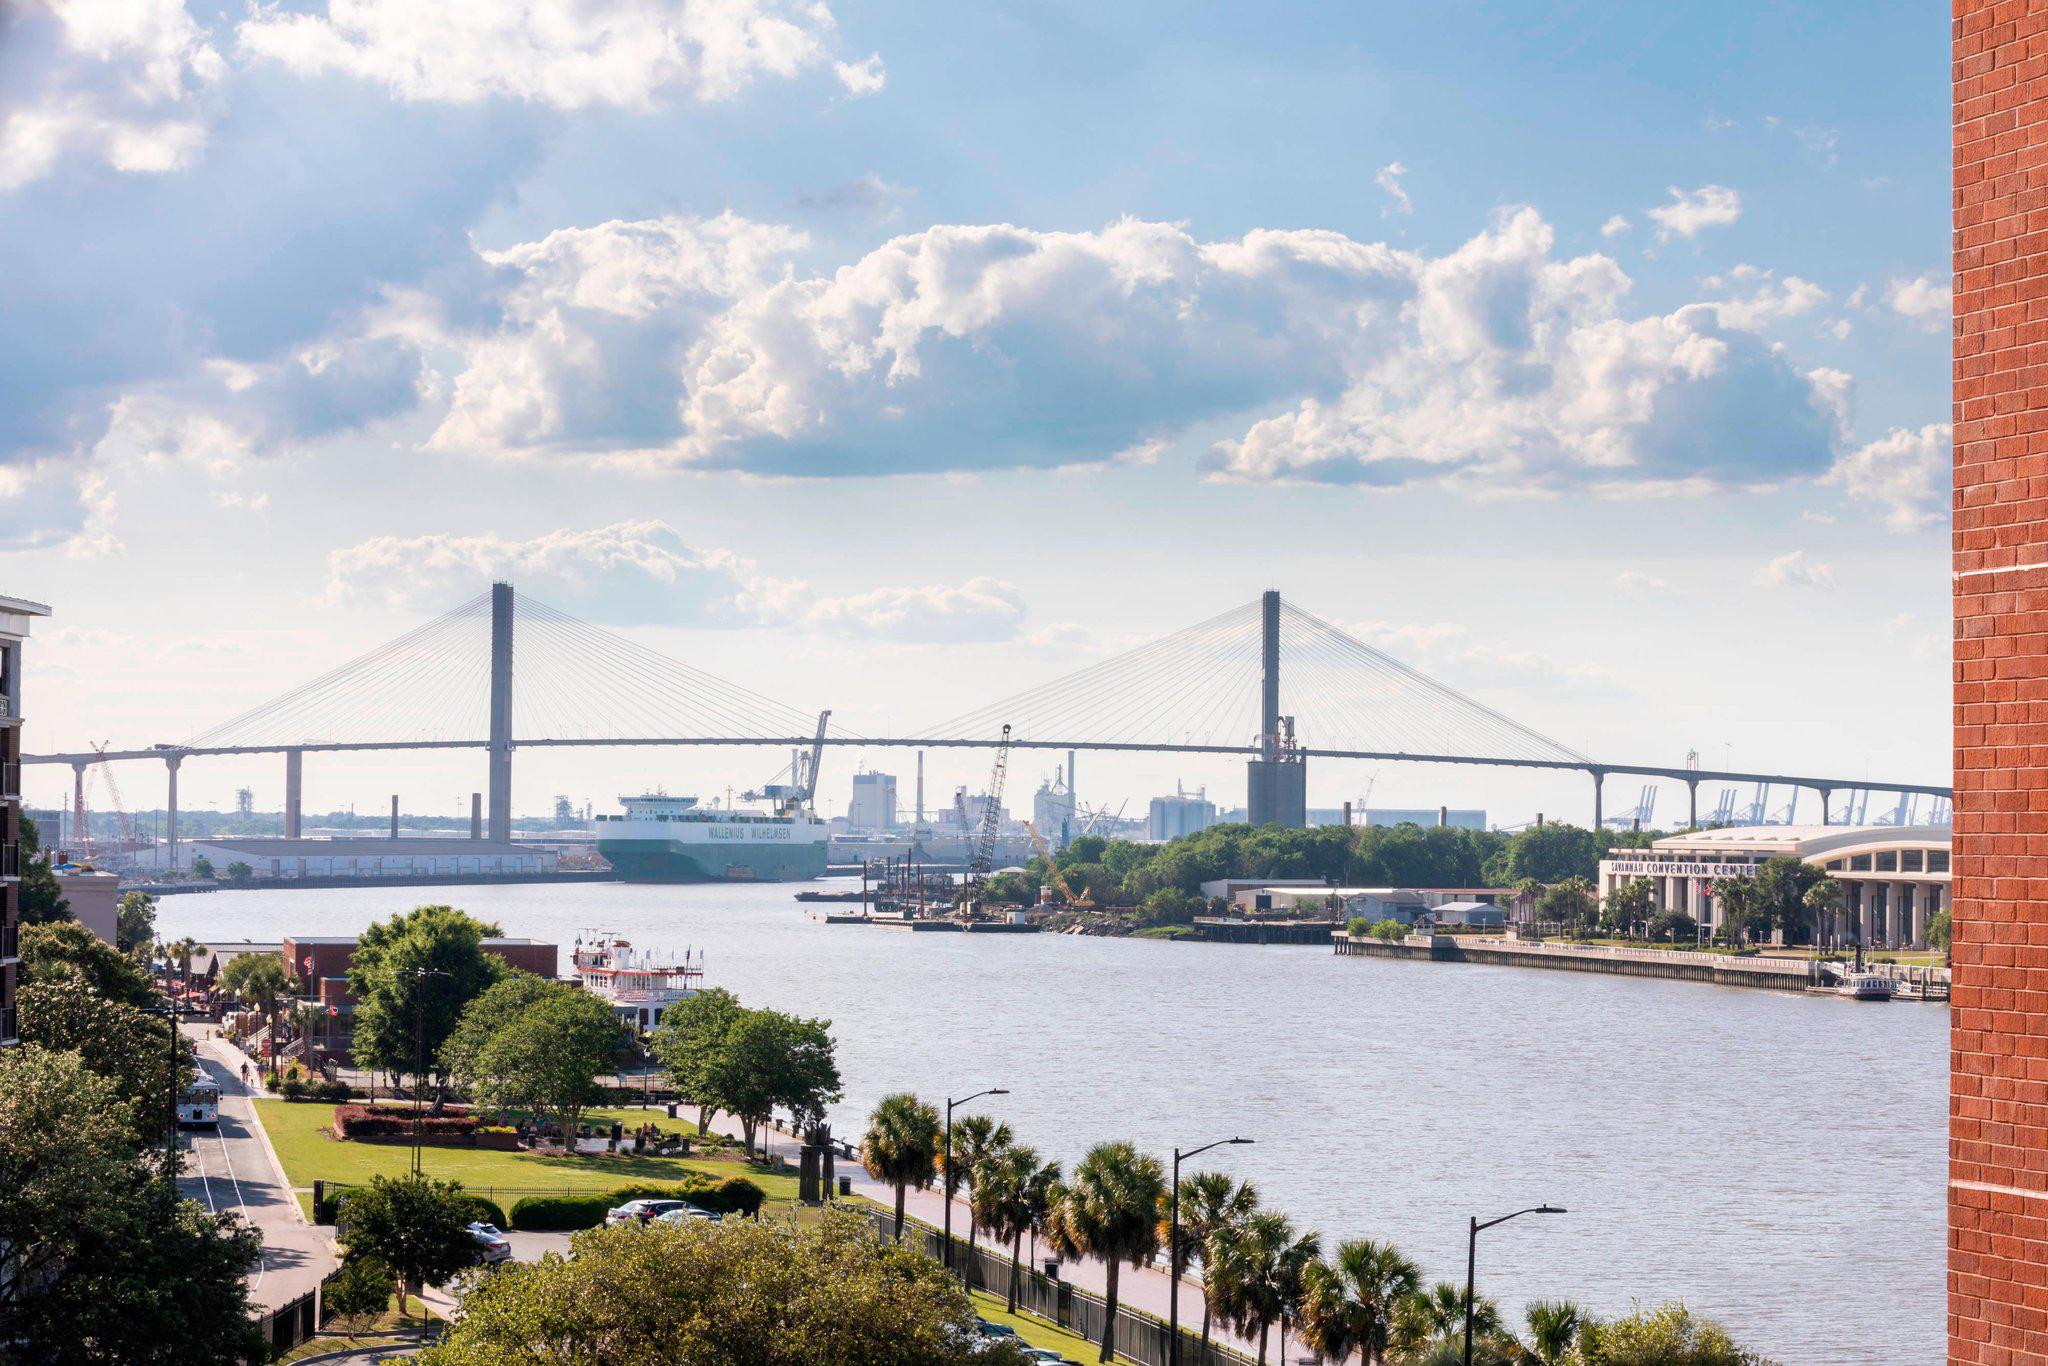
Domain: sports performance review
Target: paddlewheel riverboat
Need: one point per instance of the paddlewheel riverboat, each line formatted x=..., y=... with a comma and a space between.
x=639, y=983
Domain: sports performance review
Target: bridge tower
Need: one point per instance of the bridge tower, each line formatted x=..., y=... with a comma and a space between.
x=500, y=783
x=1276, y=781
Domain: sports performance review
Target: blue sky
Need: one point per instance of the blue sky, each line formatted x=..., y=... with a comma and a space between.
x=1591, y=357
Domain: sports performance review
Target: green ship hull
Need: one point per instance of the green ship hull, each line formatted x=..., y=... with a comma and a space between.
x=669, y=861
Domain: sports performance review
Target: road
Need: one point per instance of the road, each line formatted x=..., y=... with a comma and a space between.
x=231, y=1171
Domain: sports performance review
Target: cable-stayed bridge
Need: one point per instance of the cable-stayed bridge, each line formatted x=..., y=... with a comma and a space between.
x=1267, y=680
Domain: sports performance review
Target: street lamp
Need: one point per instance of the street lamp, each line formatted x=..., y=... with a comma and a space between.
x=419, y=1049
x=1173, y=1248
x=1472, y=1257
x=947, y=1170
x=171, y=1013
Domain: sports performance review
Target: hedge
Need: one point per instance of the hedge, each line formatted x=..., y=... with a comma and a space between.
x=388, y=1121
x=563, y=1213
x=481, y=1209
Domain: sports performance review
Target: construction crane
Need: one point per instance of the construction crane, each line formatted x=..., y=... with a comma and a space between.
x=1053, y=877
x=800, y=793
x=81, y=815
x=982, y=859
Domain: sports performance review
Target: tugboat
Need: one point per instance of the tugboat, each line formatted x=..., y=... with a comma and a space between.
x=640, y=984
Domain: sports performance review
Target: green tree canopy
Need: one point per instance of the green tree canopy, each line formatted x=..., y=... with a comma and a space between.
x=416, y=1226
x=42, y=899
x=769, y=1061
x=66, y=950
x=690, y=1041
x=1110, y=1211
x=413, y=975
x=705, y=1294
x=902, y=1146
x=137, y=925
x=1666, y=1335
x=499, y=1005
x=547, y=1057
x=131, y=1049
x=1349, y=1301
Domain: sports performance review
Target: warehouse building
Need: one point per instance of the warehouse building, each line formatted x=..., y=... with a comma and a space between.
x=372, y=858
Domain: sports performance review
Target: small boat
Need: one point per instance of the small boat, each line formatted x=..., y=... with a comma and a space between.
x=1867, y=986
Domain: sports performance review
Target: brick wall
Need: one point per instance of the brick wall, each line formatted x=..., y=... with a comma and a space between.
x=1998, y=1106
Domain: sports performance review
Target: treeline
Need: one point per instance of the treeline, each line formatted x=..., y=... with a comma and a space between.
x=1162, y=878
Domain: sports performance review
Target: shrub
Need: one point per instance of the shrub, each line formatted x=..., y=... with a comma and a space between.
x=1358, y=927
x=292, y=1088
x=391, y=1121
x=485, y=1211
x=564, y=1213
x=559, y=1213
x=1390, y=929
x=327, y=1208
x=358, y=1293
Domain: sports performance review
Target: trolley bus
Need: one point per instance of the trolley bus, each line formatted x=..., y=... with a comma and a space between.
x=199, y=1107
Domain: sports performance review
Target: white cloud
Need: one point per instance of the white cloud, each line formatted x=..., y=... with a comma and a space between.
x=113, y=81
x=1794, y=570
x=569, y=54
x=1388, y=178
x=1906, y=473
x=1926, y=299
x=645, y=572
x=1771, y=300
x=1445, y=645
x=865, y=77
x=1637, y=581
x=1615, y=226
x=1692, y=211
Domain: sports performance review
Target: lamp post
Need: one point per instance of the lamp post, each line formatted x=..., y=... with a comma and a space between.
x=947, y=1170
x=170, y=1014
x=1472, y=1258
x=419, y=1049
x=1173, y=1248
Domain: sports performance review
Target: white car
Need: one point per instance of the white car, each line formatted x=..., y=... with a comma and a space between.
x=685, y=1214
x=495, y=1247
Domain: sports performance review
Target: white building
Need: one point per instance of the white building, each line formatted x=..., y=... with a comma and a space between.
x=874, y=802
x=1894, y=877
x=370, y=858
x=93, y=896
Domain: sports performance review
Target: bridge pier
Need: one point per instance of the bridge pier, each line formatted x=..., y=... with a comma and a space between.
x=500, y=776
x=78, y=816
x=171, y=762
x=1598, y=776
x=294, y=784
x=1825, y=793
x=1692, y=803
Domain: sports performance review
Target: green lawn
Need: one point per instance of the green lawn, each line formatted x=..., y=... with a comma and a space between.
x=1035, y=1331
x=298, y=1132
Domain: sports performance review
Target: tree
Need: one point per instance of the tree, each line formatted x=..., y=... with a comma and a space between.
x=689, y=1041
x=261, y=981
x=547, y=1058
x=1673, y=926
x=767, y=1061
x=1667, y=1335
x=137, y=924
x=1350, y=1300
x=359, y=1293
x=778, y=1292
x=498, y=1006
x=1570, y=903
x=65, y=949
x=1257, y=1277
x=1782, y=885
x=1432, y=1315
x=1629, y=905
x=413, y=975
x=1743, y=913
x=1825, y=899
x=1548, y=853
x=99, y=1259
x=416, y=1226
x=1553, y=1330
x=1940, y=931
x=202, y=868
x=977, y=1140
x=901, y=1146
x=1011, y=1198
x=238, y=871
x=42, y=899
x=1212, y=1207
x=1110, y=1210
x=1389, y=930
x=118, y=1041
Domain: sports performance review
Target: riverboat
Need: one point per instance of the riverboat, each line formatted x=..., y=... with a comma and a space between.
x=639, y=983
x=1867, y=986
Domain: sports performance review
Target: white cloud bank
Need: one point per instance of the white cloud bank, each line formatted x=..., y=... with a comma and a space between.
x=634, y=573
x=568, y=54
x=1794, y=570
x=1926, y=299
x=1691, y=212
x=1906, y=473
x=117, y=82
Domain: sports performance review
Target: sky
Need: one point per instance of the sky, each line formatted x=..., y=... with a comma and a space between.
x=894, y=358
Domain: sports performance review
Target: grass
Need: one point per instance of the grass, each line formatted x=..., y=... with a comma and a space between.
x=298, y=1132
x=1035, y=1331
x=389, y=1329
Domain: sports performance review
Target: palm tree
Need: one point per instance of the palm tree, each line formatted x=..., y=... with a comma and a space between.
x=1295, y=1260
x=1434, y=1315
x=1210, y=1206
x=977, y=1140
x=1553, y=1329
x=185, y=950
x=1258, y=1273
x=1110, y=1210
x=1349, y=1301
x=901, y=1146
x=1824, y=900
x=1009, y=1199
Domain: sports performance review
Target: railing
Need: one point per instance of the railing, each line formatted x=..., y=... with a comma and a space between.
x=10, y=860
x=10, y=942
x=1139, y=1337
x=290, y=1324
x=10, y=783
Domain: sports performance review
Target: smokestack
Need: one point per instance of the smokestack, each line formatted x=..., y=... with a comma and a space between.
x=394, y=815
x=1443, y=817
x=476, y=815
x=1347, y=815
x=920, y=787
x=1539, y=820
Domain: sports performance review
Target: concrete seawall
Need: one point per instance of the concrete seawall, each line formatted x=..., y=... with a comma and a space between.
x=1771, y=974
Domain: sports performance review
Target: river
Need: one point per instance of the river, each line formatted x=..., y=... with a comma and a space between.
x=1774, y=1160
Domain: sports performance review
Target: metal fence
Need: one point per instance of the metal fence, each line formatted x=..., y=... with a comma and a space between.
x=290, y=1324
x=1140, y=1337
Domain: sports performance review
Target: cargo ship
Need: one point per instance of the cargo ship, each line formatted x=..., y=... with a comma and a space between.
x=674, y=839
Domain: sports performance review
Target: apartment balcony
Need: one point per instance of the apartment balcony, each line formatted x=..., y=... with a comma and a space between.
x=10, y=860
x=10, y=782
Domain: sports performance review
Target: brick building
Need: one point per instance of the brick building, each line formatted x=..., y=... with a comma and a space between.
x=322, y=963
x=1998, y=1103
x=15, y=615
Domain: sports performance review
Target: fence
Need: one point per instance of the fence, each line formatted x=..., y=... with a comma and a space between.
x=291, y=1324
x=1140, y=1337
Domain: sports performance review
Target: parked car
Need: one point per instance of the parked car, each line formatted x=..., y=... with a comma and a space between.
x=495, y=1247
x=995, y=1330
x=1046, y=1356
x=642, y=1211
x=687, y=1213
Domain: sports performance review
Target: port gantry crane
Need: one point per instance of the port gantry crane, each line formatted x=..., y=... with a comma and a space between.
x=981, y=859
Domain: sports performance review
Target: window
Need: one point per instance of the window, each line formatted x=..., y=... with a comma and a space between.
x=1834, y=865
x=1911, y=860
x=1888, y=861
x=1859, y=863
x=1937, y=860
